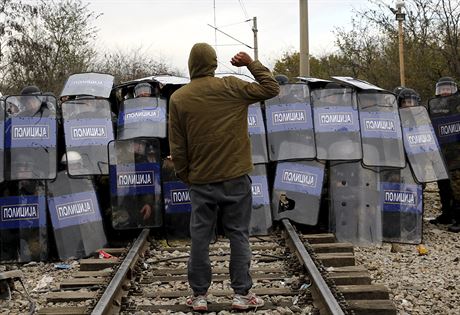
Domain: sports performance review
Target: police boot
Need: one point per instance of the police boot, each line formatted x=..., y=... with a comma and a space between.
x=443, y=218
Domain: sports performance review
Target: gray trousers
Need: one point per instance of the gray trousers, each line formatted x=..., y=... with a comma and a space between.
x=233, y=198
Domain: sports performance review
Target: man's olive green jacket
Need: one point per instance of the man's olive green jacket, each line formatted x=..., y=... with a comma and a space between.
x=208, y=127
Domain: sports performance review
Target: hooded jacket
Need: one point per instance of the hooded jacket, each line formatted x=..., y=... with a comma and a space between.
x=208, y=127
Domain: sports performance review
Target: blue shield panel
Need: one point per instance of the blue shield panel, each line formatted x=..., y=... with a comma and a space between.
x=297, y=191
x=88, y=129
x=421, y=145
x=445, y=116
x=30, y=137
x=142, y=117
x=23, y=229
x=257, y=134
x=135, y=184
x=380, y=130
x=75, y=215
x=337, y=131
x=177, y=203
x=402, y=206
x=261, y=218
x=290, y=124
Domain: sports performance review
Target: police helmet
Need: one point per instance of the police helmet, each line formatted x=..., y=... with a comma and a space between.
x=398, y=90
x=30, y=90
x=408, y=97
x=446, y=86
x=72, y=157
x=281, y=79
x=142, y=89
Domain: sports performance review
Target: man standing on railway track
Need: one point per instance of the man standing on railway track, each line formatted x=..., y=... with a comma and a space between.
x=210, y=148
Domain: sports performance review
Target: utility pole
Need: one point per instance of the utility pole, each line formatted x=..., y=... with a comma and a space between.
x=256, y=45
x=304, y=45
x=400, y=17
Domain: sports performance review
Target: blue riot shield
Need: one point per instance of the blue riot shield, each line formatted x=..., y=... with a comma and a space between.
x=445, y=116
x=88, y=129
x=30, y=137
x=178, y=207
x=290, y=124
x=337, y=130
x=421, y=145
x=23, y=230
x=2, y=139
x=380, y=130
x=142, y=117
x=261, y=217
x=135, y=183
x=93, y=84
x=75, y=216
x=355, y=212
x=297, y=191
x=401, y=200
x=257, y=134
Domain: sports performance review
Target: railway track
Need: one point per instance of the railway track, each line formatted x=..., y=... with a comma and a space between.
x=294, y=273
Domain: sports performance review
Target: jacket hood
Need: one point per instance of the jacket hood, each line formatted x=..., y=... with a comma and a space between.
x=202, y=61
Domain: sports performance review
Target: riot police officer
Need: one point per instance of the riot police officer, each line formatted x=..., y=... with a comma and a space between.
x=408, y=98
x=142, y=90
x=449, y=189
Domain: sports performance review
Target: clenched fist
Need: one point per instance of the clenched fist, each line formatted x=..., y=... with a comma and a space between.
x=241, y=59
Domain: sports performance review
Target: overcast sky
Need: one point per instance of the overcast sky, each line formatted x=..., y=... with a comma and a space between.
x=168, y=29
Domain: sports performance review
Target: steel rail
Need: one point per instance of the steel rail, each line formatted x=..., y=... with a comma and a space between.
x=328, y=302
x=108, y=299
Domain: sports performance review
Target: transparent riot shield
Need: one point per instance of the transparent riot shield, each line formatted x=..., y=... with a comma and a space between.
x=290, y=124
x=380, y=130
x=421, y=145
x=445, y=117
x=355, y=212
x=30, y=137
x=261, y=217
x=88, y=129
x=2, y=139
x=76, y=217
x=401, y=200
x=142, y=117
x=178, y=207
x=23, y=230
x=257, y=134
x=336, y=121
x=135, y=186
x=297, y=191
x=94, y=84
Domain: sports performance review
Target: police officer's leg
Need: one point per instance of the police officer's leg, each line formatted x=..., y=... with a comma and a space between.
x=236, y=207
x=445, y=193
x=202, y=225
x=455, y=175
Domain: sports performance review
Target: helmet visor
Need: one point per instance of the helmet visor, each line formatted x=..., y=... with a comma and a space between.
x=446, y=88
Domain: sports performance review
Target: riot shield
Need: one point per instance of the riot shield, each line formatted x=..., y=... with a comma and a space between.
x=261, y=217
x=297, y=191
x=401, y=200
x=336, y=121
x=23, y=231
x=355, y=213
x=178, y=207
x=88, y=129
x=2, y=139
x=30, y=137
x=94, y=84
x=76, y=217
x=257, y=134
x=135, y=185
x=142, y=117
x=290, y=124
x=445, y=117
x=380, y=130
x=421, y=145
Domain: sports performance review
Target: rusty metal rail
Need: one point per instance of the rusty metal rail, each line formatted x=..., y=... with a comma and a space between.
x=110, y=301
x=328, y=301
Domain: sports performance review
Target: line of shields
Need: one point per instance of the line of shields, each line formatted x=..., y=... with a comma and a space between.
x=343, y=143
